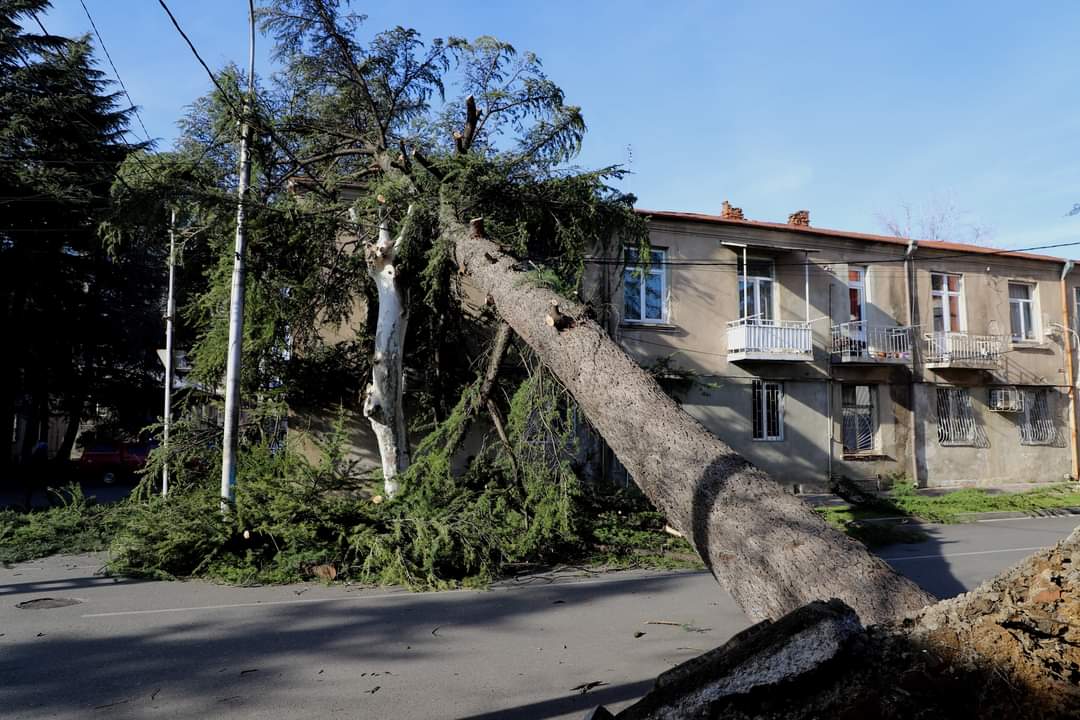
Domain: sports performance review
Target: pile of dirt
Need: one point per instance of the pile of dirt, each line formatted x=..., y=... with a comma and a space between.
x=1009, y=649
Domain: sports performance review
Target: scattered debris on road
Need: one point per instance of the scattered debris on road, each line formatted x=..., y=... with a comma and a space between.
x=252, y=670
x=638, y=634
x=586, y=687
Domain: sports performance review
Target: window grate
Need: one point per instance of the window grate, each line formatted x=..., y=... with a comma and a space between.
x=768, y=410
x=956, y=417
x=859, y=420
x=1036, y=422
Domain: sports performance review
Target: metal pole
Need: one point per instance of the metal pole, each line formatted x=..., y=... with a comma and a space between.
x=236, y=303
x=170, y=313
x=746, y=290
x=806, y=283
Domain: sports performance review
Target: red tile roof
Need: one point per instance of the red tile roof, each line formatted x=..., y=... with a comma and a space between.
x=847, y=235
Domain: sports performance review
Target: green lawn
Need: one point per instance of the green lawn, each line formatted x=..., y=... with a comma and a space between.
x=950, y=507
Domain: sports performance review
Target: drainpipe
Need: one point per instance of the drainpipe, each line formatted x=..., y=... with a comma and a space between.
x=913, y=420
x=1069, y=372
x=830, y=434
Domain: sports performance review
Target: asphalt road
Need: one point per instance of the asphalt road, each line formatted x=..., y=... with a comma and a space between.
x=520, y=650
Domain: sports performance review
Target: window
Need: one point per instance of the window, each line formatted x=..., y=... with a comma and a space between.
x=756, y=290
x=946, y=297
x=956, y=419
x=645, y=288
x=768, y=410
x=1036, y=423
x=857, y=293
x=1021, y=315
x=1076, y=309
x=859, y=418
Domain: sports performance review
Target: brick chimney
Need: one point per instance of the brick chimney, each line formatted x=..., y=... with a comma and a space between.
x=731, y=213
x=801, y=218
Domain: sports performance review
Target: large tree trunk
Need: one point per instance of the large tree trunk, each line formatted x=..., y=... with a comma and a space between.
x=770, y=550
x=383, y=401
x=1009, y=649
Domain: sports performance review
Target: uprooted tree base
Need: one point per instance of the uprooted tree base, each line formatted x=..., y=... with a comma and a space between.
x=1010, y=649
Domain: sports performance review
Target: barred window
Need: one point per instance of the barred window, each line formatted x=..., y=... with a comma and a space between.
x=768, y=412
x=956, y=418
x=1036, y=422
x=859, y=418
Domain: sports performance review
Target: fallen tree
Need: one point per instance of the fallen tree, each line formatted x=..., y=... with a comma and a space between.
x=883, y=648
x=1009, y=649
x=765, y=546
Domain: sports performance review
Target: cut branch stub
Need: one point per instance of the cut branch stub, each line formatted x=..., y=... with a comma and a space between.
x=476, y=227
x=556, y=319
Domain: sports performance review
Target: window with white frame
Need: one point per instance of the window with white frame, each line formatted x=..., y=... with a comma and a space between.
x=1022, y=311
x=956, y=418
x=859, y=418
x=768, y=411
x=756, y=296
x=946, y=299
x=645, y=287
x=1036, y=422
x=1076, y=309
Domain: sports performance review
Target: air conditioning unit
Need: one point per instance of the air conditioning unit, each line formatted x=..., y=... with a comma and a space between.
x=1006, y=399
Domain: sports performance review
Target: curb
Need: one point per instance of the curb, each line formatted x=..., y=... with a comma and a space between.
x=981, y=516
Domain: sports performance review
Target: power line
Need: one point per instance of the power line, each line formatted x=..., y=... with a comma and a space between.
x=238, y=113
x=116, y=72
x=134, y=153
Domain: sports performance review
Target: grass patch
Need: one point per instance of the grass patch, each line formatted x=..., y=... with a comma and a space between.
x=858, y=521
x=949, y=508
x=860, y=524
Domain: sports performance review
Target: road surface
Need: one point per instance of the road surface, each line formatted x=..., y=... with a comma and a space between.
x=522, y=649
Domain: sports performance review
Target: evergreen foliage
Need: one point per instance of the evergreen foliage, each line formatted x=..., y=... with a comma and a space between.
x=340, y=138
x=84, y=318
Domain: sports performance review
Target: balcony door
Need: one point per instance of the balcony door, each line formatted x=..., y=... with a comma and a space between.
x=857, y=304
x=757, y=296
x=946, y=295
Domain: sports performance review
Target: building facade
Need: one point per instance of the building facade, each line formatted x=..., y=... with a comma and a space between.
x=817, y=354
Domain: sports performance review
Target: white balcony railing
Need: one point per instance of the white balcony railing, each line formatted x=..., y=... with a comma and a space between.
x=755, y=339
x=961, y=349
x=859, y=342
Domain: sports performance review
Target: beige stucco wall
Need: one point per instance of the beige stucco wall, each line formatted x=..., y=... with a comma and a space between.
x=703, y=298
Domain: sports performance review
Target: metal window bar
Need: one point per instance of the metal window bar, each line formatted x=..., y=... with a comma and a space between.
x=956, y=417
x=1036, y=423
x=768, y=412
x=858, y=419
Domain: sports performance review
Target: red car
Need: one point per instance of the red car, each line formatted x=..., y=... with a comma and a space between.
x=110, y=462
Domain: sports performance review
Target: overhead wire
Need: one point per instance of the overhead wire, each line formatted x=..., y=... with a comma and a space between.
x=105, y=49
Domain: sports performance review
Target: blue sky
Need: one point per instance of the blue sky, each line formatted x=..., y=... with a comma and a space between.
x=848, y=109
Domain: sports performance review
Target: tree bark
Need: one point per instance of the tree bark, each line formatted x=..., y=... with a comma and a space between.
x=770, y=550
x=383, y=400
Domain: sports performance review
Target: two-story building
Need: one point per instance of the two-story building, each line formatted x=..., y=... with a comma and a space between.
x=817, y=353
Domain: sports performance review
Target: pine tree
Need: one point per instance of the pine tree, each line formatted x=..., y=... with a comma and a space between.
x=78, y=316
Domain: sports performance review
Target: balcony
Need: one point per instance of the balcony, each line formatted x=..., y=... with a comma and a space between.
x=858, y=342
x=769, y=340
x=962, y=350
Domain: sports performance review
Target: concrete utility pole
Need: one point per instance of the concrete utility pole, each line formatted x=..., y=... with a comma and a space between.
x=236, y=303
x=170, y=313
